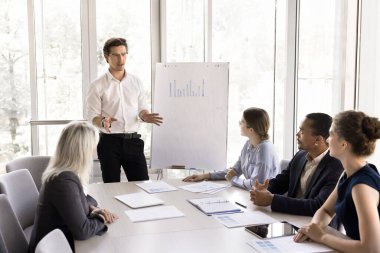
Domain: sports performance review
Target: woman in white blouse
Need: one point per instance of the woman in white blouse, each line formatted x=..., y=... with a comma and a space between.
x=258, y=159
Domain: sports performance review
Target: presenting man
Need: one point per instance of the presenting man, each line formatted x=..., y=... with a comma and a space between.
x=115, y=104
x=311, y=176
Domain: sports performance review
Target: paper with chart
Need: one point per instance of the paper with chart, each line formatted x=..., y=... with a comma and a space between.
x=192, y=97
x=215, y=205
x=156, y=186
x=244, y=219
x=153, y=213
x=205, y=187
x=139, y=199
x=286, y=245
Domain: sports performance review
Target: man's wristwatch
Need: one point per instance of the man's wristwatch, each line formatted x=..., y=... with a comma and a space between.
x=102, y=121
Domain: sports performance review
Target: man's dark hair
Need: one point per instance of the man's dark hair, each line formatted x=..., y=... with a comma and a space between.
x=320, y=123
x=114, y=42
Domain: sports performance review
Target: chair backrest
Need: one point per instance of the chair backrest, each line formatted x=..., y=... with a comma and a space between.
x=12, y=238
x=55, y=241
x=284, y=164
x=35, y=164
x=22, y=195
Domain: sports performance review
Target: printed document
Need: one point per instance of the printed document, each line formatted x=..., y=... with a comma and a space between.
x=153, y=213
x=286, y=245
x=139, y=199
x=233, y=220
x=156, y=186
x=205, y=187
x=216, y=205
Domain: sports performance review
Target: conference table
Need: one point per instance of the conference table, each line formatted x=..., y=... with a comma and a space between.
x=195, y=232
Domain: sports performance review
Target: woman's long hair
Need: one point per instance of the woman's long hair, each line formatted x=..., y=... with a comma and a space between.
x=74, y=152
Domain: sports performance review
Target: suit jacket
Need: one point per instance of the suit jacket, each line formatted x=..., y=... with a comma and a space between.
x=322, y=183
x=62, y=204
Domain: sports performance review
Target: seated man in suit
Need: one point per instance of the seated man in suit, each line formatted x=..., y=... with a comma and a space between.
x=310, y=177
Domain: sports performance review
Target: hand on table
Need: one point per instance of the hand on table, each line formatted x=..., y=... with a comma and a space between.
x=230, y=174
x=107, y=216
x=196, y=178
x=309, y=231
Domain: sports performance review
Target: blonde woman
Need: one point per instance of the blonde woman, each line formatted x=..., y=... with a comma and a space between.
x=62, y=202
x=356, y=198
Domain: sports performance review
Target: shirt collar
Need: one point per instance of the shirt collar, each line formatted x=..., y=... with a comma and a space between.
x=111, y=77
x=318, y=158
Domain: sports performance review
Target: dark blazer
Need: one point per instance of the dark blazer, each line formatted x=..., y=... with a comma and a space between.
x=62, y=204
x=322, y=183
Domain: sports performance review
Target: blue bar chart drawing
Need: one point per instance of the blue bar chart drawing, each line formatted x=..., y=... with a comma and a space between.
x=188, y=89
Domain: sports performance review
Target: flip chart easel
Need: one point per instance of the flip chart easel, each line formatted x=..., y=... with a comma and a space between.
x=193, y=100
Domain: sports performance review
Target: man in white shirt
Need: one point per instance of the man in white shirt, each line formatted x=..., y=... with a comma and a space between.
x=115, y=104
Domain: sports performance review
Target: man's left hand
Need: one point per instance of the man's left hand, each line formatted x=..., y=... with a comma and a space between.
x=152, y=118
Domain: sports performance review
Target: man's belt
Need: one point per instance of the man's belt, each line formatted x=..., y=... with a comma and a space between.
x=127, y=136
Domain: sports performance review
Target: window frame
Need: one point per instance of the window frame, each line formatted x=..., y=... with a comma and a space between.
x=159, y=50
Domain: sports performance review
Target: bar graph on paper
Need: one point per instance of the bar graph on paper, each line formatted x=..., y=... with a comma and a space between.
x=188, y=89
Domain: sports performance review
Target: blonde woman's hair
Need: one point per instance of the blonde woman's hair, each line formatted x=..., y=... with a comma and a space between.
x=74, y=152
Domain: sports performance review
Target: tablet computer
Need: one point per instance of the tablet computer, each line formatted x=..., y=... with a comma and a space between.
x=273, y=230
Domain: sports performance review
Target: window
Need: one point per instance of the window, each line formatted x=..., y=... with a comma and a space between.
x=243, y=34
x=320, y=66
x=185, y=30
x=369, y=72
x=130, y=20
x=15, y=88
x=59, y=67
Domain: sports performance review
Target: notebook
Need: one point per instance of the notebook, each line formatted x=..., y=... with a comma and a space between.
x=138, y=200
x=215, y=205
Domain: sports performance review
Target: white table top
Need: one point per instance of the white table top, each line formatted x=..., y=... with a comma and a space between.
x=196, y=232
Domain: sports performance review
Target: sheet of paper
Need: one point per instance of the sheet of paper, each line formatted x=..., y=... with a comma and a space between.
x=140, y=199
x=205, y=187
x=244, y=219
x=156, y=186
x=153, y=213
x=286, y=245
x=215, y=205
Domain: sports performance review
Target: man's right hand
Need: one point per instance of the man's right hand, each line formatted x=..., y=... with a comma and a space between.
x=106, y=123
x=259, y=186
x=196, y=178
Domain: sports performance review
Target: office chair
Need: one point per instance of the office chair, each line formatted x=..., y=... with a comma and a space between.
x=22, y=195
x=284, y=164
x=35, y=164
x=55, y=241
x=12, y=238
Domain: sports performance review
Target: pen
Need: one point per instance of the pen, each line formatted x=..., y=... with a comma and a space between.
x=239, y=204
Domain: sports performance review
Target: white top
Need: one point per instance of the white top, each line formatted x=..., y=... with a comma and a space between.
x=258, y=162
x=123, y=100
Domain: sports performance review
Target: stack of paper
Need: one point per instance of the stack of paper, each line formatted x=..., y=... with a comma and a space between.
x=140, y=199
x=205, y=187
x=156, y=186
x=244, y=219
x=154, y=213
x=217, y=205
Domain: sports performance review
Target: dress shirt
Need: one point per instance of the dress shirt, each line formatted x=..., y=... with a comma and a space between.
x=258, y=162
x=122, y=100
x=310, y=167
